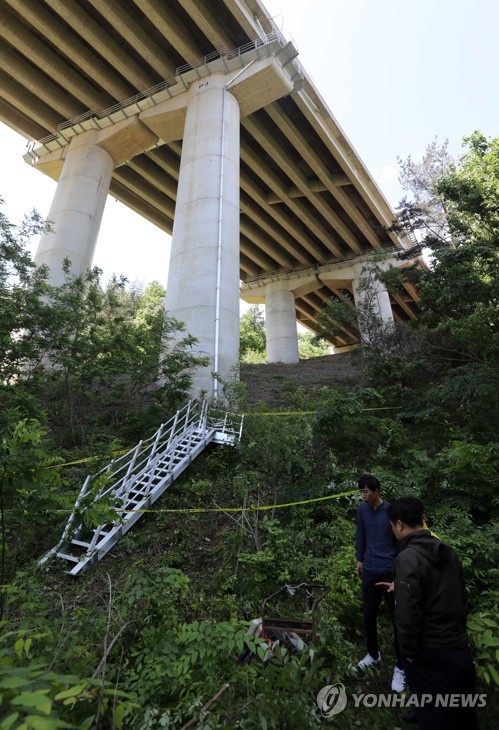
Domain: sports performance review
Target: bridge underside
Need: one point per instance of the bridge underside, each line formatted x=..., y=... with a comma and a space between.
x=305, y=197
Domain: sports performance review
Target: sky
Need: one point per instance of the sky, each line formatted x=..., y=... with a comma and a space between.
x=395, y=74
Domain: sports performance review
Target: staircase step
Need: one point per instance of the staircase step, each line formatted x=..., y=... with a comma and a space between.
x=66, y=556
x=142, y=486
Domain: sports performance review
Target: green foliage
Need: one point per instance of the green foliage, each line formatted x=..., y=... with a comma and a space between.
x=150, y=636
x=28, y=492
x=310, y=345
x=484, y=633
x=21, y=294
x=272, y=563
x=252, y=338
x=471, y=189
x=350, y=425
x=337, y=318
x=459, y=292
x=113, y=358
x=469, y=466
x=344, y=601
x=280, y=693
x=83, y=356
x=95, y=510
x=34, y=697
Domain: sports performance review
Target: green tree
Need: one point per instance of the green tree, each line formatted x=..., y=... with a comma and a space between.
x=83, y=354
x=471, y=190
x=22, y=288
x=253, y=340
x=29, y=487
x=454, y=339
x=310, y=345
x=460, y=291
x=424, y=215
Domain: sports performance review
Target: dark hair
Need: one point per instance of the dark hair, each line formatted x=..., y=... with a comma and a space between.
x=408, y=510
x=369, y=481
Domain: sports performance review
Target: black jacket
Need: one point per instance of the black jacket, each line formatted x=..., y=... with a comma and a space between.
x=430, y=597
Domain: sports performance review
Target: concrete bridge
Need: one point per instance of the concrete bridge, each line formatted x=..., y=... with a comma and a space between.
x=199, y=117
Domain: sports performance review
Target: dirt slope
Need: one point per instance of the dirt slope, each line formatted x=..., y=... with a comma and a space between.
x=271, y=384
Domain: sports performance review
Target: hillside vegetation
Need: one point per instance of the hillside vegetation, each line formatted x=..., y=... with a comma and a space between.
x=271, y=384
x=148, y=637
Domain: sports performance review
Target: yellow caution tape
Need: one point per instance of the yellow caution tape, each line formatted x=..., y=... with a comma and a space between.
x=306, y=413
x=251, y=508
x=248, y=413
x=88, y=458
x=280, y=413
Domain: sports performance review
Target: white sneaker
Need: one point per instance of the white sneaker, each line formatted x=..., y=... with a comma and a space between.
x=368, y=661
x=398, y=680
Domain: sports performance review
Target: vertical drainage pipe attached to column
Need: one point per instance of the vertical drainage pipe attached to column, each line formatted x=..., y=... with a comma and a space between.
x=219, y=248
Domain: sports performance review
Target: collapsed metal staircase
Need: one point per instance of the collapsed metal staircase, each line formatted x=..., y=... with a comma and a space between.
x=131, y=484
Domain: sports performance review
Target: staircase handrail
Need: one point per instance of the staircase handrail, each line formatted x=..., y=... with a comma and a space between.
x=132, y=479
x=69, y=524
x=163, y=440
x=166, y=435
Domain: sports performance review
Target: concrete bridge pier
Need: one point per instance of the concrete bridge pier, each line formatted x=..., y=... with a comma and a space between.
x=203, y=277
x=83, y=168
x=372, y=301
x=202, y=105
x=278, y=296
x=76, y=212
x=280, y=323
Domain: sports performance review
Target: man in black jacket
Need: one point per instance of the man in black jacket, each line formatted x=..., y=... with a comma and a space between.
x=430, y=615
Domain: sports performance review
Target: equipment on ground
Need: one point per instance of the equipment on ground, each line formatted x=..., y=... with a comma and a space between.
x=289, y=617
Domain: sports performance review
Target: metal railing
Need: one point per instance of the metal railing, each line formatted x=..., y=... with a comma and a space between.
x=309, y=269
x=138, y=471
x=223, y=54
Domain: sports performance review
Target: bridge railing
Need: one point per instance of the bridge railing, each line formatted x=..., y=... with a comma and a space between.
x=275, y=37
x=364, y=256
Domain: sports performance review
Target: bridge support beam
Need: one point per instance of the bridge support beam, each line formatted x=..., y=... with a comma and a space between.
x=76, y=212
x=372, y=302
x=83, y=168
x=203, y=104
x=203, y=276
x=280, y=315
x=280, y=323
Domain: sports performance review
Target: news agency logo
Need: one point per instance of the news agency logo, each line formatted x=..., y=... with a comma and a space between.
x=332, y=699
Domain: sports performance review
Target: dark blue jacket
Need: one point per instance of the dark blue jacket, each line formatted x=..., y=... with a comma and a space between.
x=375, y=543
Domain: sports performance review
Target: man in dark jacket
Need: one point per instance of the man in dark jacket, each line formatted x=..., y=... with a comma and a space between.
x=376, y=548
x=430, y=615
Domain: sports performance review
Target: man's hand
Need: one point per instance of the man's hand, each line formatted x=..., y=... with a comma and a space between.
x=360, y=568
x=390, y=587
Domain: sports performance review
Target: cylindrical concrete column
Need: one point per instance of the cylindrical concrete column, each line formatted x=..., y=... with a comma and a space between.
x=203, y=276
x=371, y=300
x=280, y=324
x=77, y=208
